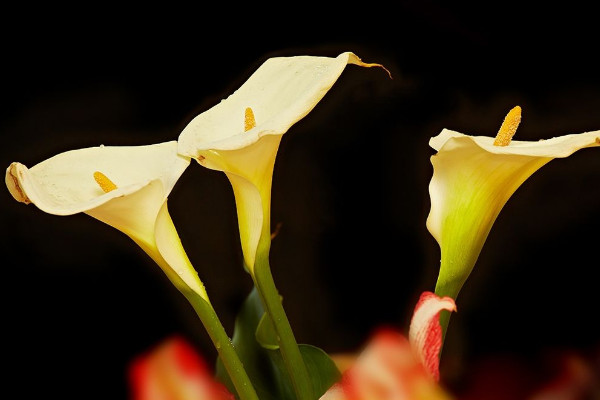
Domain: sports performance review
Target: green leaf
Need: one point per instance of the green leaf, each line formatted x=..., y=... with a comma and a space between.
x=253, y=356
x=256, y=343
x=321, y=368
x=265, y=333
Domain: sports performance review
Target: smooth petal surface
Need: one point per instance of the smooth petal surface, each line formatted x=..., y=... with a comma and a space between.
x=171, y=250
x=556, y=147
x=174, y=371
x=279, y=93
x=65, y=185
x=250, y=173
x=143, y=175
x=386, y=369
x=133, y=214
x=425, y=333
x=472, y=181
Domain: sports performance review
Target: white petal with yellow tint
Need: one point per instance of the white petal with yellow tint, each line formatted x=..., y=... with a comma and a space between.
x=125, y=187
x=170, y=248
x=135, y=213
x=556, y=147
x=472, y=181
x=144, y=217
x=241, y=135
x=65, y=184
x=280, y=92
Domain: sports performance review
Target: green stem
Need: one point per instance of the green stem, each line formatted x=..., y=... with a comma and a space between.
x=201, y=304
x=288, y=346
x=224, y=346
x=451, y=291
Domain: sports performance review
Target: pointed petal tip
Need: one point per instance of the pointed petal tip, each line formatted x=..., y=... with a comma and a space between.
x=356, y=60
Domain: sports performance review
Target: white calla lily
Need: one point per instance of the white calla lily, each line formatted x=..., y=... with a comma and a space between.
x=241, y=135
x=123, y=186
x=127, y=187
x=473, y=178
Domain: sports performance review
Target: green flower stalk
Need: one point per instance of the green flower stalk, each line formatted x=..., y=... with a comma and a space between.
x=127, y=187
x=240, y=136
x=473, y=178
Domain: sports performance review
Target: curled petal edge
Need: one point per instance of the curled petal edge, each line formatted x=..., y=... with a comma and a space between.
x=556, y=147
x=425, y=332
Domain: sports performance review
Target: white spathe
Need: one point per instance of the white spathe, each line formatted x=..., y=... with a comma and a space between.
x=279, y=93
x=472, y=181
x=144, y=177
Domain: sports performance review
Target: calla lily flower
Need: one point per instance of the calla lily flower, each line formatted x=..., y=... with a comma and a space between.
x=392, y=367
x=473, y=178
x=241, y=135
x=125, y=187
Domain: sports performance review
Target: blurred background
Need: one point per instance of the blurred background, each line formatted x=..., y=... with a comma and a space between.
x=80, y=300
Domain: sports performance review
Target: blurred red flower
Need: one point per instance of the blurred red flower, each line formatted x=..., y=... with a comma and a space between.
x=174, y=371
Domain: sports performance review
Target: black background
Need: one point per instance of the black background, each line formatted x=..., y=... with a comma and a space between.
x=80, y=300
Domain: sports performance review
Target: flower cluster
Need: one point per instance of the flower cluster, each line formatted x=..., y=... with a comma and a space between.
x=127, y=187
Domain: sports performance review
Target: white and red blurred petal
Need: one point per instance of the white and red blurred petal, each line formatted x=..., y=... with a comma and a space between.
x=174, y=371
x=386, y=369
x=425, y=333
x=336, y=392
